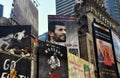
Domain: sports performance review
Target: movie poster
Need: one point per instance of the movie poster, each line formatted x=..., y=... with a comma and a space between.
x=15, y=39
x=116, y=43
x=21, y=65
x=75, y=66
x=52, y=61
x=63, y=30
x=104, y=52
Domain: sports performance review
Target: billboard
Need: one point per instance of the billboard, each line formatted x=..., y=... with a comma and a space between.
x=104, y=52
x=52, y=61
x=63, y=30
x=75, y=66
x=25, y=13
x=15, y=39
x=116, y=44
x=79, y=68
x=23, y=66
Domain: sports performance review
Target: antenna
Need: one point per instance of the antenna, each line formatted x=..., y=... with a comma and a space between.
x=36, y=3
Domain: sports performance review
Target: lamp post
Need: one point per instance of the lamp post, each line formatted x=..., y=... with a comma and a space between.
x=13, y=72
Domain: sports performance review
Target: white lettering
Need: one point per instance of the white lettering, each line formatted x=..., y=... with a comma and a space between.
x=9, y=64
x=6, y=66
x=5, y=75
x=13, y=65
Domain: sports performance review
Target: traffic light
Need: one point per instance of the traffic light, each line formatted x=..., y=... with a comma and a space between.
x=13, y=73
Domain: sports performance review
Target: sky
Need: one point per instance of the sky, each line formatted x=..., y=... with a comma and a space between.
x=46, y=7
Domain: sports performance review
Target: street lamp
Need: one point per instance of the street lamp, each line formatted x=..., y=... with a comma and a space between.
x=13, y=72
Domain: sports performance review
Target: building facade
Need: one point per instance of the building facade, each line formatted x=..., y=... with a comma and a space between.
x=113, y=8
x=1, y=10
x=65, y=7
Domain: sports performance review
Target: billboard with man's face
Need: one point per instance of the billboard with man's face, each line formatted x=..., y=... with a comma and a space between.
x=15, y=39
x=104, y=51
x=63, y=30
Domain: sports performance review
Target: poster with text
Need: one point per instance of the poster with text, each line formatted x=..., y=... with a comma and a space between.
x=15, y=39
x=116, y=43
x=9, y=62
x=75, y=66
x=63, y=30
x=52, y=61
x=104, y=52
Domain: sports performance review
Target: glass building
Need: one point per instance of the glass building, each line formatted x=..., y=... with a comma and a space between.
x=1, y=10
x=65, y=7
x=113, y=8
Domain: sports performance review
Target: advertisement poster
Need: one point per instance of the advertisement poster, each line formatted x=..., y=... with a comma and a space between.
x=22, y=67
x=75, y=66
x=116, y=43
x=15, y=39
x=52, y=61
x=104, y=52
x=63, y=30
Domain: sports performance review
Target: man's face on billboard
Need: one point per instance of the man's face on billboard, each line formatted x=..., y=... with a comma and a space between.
x=60, y=33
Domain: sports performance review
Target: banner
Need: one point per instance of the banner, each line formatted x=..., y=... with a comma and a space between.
x=15, y=39
x=75, y=66
x=104, y=52
x=23, y=66
x=52, y=61
x=116, y=43
x=63, y=30
x=79, y=68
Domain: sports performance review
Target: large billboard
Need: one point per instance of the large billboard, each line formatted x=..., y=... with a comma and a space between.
x=23, y=66
x=15, y=39
x=52, y=61
x=116, y=43
x=104, y=52
x=25, y=13
x=63, y=30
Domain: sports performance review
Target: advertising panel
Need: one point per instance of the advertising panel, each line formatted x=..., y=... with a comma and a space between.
x=116, y=43
x=15, y=39
x=52, y=61
x=63, y=30
x=22, y=67
x=75, y=66
x=25, y=13
x=79, y=68
x=104, y=52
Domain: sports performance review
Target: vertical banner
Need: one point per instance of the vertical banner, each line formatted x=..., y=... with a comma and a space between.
x=15, y=39
x=75, y=66
x=104, y=52
x=21, y=65
x=52, y=61
x=116, y=44
x=63, y=30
